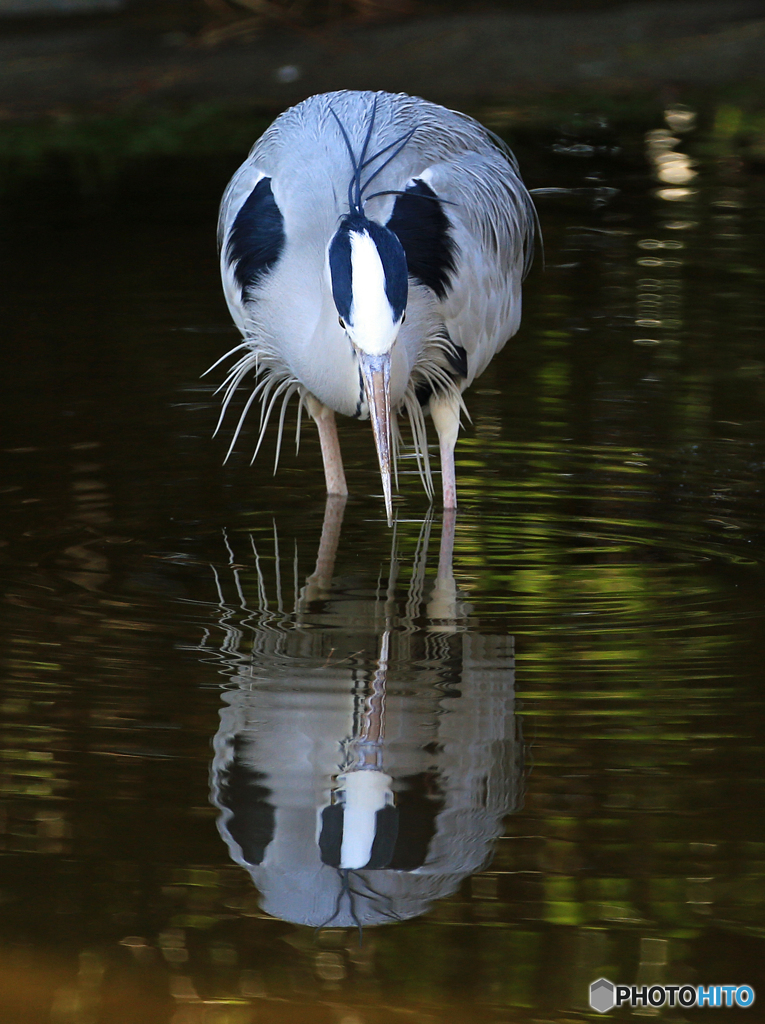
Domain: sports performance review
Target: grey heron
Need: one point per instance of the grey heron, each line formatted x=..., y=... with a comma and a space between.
x=372, y=251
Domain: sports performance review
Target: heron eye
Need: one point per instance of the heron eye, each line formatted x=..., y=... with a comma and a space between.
x=341, y=322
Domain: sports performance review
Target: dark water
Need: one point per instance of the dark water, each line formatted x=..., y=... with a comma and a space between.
x=554, y=702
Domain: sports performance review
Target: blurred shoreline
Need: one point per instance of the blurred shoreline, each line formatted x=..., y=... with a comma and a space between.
x=102, y=65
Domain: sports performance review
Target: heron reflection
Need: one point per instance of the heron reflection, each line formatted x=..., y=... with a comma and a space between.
x=368, y=747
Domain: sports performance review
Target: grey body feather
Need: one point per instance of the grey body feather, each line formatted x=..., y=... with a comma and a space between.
x=292, y=337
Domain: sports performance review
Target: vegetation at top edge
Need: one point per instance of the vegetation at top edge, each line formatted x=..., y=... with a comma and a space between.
x=95, y=150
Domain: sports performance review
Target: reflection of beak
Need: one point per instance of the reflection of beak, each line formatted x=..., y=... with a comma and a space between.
x=375, y=372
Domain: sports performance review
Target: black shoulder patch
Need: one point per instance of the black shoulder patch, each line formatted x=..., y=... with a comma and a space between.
x=256, y=239
x=419, y=220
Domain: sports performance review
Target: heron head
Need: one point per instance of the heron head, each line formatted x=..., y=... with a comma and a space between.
x=369, y=276
x=368, y=269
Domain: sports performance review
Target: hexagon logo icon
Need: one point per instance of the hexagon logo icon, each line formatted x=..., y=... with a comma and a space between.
x=602, y=995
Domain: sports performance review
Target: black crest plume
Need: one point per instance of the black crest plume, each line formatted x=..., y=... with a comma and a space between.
x=356, y=187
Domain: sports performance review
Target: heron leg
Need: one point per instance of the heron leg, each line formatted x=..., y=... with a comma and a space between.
x=324, y=417
x=446, y=419
x=445, y=608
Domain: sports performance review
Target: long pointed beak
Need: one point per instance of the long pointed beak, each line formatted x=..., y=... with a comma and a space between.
x=375, y=372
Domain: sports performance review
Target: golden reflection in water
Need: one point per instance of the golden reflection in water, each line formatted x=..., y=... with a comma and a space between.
x=659, y=301
x=670, y=167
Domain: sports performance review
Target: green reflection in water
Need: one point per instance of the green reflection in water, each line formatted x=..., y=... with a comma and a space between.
x=612, y=522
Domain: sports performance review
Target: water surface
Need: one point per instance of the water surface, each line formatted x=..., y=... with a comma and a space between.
x=554, y=701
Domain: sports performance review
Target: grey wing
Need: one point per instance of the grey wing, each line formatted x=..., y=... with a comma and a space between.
x=492, y=227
